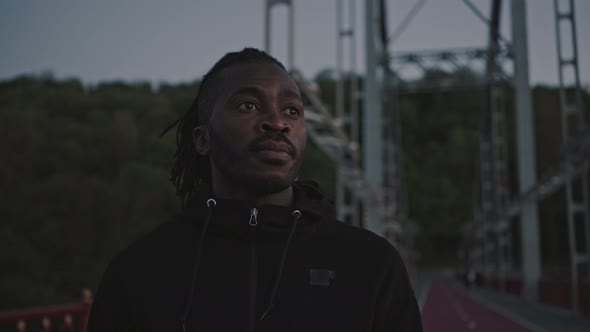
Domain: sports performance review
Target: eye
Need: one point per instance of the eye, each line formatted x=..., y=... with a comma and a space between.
x=293, y=112
x=247, y=106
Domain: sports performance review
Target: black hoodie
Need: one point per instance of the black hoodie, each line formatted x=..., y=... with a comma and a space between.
x=235, y=267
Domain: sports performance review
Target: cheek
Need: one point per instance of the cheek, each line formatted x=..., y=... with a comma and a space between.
x=230, y=133
x=301, y=140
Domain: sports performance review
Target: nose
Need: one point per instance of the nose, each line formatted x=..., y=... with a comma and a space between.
x=274, y=121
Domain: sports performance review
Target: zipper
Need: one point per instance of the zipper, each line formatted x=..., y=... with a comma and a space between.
x=253, y=217
x=253, y=268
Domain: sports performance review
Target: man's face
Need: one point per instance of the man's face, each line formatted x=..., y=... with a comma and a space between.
x=256, y=133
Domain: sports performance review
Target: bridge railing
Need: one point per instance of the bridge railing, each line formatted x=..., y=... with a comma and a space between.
x=71, y=317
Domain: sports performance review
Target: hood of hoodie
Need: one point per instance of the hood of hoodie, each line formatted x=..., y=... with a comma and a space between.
x=234, y=215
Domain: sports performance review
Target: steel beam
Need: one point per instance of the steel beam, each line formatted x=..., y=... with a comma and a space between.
x=525, y=144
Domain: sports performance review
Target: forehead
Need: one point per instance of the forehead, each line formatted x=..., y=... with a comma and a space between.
x=266, y=76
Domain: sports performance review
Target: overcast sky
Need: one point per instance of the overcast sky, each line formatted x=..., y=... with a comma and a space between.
x=179, y=40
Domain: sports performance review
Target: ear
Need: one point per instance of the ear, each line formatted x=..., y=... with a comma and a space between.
x=201, y=140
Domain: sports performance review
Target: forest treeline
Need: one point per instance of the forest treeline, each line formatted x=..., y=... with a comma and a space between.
x=84, y=171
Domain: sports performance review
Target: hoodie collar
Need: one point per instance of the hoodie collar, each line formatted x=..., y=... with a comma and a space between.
x=236, y=215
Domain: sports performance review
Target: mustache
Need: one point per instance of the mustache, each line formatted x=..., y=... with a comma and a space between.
x=273, y=136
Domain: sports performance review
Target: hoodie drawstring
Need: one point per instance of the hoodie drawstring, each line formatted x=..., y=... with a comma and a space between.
x=197, y=256
x=296, y=215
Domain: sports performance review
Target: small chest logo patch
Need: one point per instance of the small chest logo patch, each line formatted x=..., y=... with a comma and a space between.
x=321, y=277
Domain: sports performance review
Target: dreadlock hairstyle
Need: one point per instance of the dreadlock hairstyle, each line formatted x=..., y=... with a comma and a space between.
x=192, y=170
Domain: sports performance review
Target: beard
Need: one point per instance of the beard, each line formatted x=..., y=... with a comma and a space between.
x=235, y=164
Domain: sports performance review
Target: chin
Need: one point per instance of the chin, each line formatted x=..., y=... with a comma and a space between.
x=272, y=185
x=256, y=177
x=268, y=183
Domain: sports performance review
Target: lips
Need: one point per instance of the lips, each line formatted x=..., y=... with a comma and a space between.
x=273, y=146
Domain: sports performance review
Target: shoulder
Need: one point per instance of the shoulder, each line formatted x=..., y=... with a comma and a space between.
x=340, y=231
x=361, y=244
x=148, y=260
x=168, y=239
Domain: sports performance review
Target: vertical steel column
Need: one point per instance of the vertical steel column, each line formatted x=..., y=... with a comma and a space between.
x=573, y=126
x=354, y=110
x=476, y=257
x=525, y=144
x=497, y=140
x=269, y=4
x=395, y=217
x=500, y=166
x=486, y=201
x=340, y=185
x=347, y=200
x=372, y=124
x=291, y=46
x=490, y=145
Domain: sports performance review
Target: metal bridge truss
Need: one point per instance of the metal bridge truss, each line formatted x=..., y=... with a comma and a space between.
x=495, y=209
x=398, y=226
x=575, y=138
x=494, y=237
x=485, y=68
x=324, y=130
x=411, y=67
x=328, y=132
x=572, y=172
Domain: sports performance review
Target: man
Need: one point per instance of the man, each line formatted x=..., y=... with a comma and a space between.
x=252, y=249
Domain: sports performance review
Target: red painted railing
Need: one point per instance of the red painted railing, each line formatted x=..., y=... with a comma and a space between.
x=68, y=317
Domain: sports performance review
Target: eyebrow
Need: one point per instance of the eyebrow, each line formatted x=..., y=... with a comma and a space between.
x=288, y=93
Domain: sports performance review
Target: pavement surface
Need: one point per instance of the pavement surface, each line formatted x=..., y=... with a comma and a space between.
x=449, y=306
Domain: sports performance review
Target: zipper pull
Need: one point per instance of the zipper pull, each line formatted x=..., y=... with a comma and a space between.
x=253, y=217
